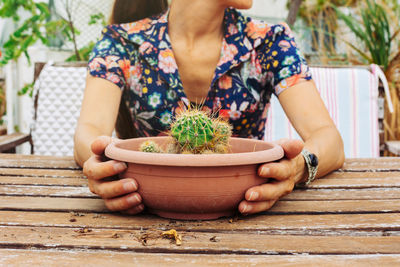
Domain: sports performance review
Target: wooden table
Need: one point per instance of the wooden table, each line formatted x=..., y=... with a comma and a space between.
x=49, y=217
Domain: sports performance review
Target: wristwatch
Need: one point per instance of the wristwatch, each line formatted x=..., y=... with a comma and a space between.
x=312, y=166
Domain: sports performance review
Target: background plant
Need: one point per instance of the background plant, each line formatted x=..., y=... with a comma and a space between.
x=2, y=104
x=39, y=25
x=375, y=24
x=320, y=20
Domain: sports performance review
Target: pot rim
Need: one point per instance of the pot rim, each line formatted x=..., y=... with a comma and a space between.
x=112, y=151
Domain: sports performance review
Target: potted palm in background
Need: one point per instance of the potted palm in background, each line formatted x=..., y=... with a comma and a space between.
x=356, y=32
x=375, y=24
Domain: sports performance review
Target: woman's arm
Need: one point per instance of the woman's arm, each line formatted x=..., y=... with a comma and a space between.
x=97, y=120
x=306, y=111
x=98, y=115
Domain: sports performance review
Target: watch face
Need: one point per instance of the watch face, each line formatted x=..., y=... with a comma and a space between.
x=313, y=160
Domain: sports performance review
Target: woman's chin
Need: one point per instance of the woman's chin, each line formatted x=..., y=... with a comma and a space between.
x=241, y=4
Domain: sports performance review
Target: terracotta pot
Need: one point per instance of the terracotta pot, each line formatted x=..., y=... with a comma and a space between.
x=194, y=187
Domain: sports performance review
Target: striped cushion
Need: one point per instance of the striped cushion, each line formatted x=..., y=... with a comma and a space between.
x=351, y=97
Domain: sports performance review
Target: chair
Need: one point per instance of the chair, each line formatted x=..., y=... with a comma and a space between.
x=58, y=93
x=351, y=97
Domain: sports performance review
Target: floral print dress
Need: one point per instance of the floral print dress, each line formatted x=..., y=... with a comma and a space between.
x=257, y=60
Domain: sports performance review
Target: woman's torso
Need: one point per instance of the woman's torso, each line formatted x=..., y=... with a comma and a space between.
x=256, y=60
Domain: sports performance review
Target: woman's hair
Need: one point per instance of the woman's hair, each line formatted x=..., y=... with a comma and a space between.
x=125, y=11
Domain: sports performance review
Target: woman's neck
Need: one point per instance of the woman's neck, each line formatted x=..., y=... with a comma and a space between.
x=195, y=19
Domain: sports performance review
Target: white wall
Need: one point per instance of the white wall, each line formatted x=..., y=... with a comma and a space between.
x=268, y=10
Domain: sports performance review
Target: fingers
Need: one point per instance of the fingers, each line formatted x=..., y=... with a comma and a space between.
x=263, y=197
x=266, y=192
x=119, y=195
x=134, y=210
x=100, y=143
x=94, y=168
x=246, y=207
x=114, y=188
x=291, y=147
x=281, y=170
x=124, y=203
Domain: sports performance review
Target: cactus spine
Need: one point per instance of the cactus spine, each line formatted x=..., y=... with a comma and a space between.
x=195, y=132
x=150, y=146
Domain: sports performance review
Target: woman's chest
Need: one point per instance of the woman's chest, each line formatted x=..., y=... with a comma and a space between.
x=196, y=68
x=155, y=96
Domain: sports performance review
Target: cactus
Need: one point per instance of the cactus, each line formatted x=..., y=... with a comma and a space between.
x=193, y=130
x=150, y=146
x=223, y=130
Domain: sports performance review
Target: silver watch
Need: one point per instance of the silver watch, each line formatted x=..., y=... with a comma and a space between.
x=312, y=166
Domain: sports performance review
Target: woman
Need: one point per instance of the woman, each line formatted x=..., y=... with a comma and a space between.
x=227, y=62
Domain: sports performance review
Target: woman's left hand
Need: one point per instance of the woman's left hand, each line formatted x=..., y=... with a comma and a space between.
x=284, y=174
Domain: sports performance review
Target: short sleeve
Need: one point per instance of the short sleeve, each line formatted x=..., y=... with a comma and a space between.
x=109, y=59
x=282, y=59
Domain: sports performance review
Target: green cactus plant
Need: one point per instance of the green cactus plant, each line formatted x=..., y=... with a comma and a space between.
x=195, y=132
x=223, y=130
x=150, y=146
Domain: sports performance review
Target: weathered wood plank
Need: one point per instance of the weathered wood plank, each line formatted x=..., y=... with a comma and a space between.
x=96, y=205
x=356, y=183
x=199, y=242
x=344, y=194
x=68, y=190
x=47, y=191
x=13, y=257
x=37, y=162
x=52, y=204
x=372, y=164
x=334, y=180
x=10, y=141
x=33, y=161
x=37, y=181
x=40, y=173
x=361, y=174
x=349, y=223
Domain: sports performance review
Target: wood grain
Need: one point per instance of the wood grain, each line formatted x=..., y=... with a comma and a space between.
x=37, y=162
x=10, y=257
x=10, y=141
x=289, y=207
x=317, y=224
x=372, y=164
x=351, y=217
x=64, y=188
x=41, y=173
x=40, y=181
x=199, y=242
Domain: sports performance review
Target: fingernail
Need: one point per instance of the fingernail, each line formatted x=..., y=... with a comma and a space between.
x=135, y=199
x=129, y=186
x=253, y=196
x=246, y=208
x=265, y=171
x=119, y=167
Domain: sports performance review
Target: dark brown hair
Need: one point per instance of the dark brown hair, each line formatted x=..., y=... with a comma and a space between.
x=125, y=11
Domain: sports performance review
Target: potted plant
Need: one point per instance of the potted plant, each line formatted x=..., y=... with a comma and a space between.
x=375, y=25
x=197, y=172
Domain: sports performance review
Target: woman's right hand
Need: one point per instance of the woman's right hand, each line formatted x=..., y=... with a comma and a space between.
x=118, y=195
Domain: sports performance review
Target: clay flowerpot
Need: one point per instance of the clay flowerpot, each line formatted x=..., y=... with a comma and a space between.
x=194, y=187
